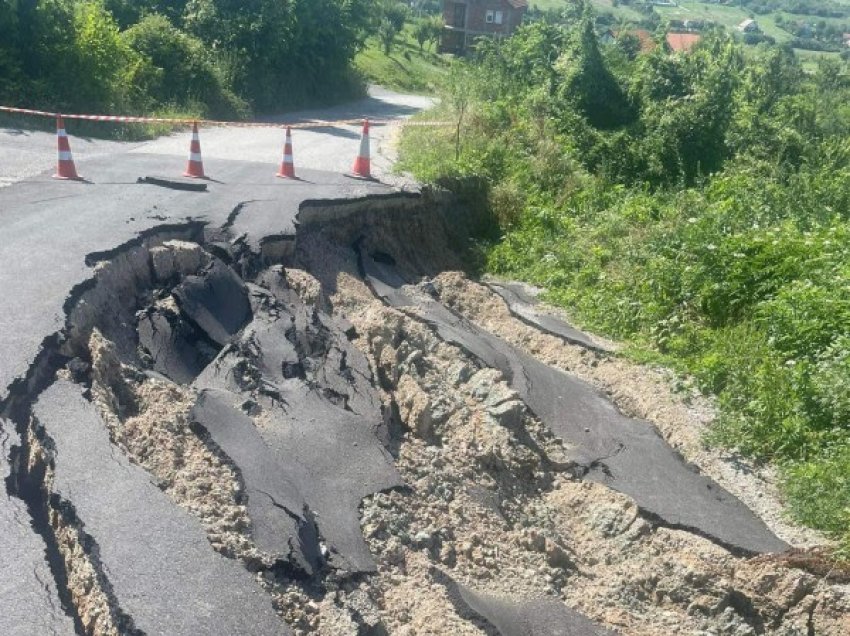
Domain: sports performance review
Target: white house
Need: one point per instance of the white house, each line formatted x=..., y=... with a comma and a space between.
x=749, y=26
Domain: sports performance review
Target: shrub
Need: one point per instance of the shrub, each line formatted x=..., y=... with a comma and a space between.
x=176, y=69
x=702, y=213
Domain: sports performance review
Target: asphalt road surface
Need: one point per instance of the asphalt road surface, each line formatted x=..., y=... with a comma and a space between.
x=52, y=234
x=279, y=392
x=25, y=154
x=625, y=454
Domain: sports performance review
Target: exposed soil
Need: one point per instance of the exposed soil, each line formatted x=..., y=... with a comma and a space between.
x=677, y=409
x=489, y=501
x=511, y=525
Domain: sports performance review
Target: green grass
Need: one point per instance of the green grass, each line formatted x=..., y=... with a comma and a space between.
x=406, y=68
x=740, y=281
x=809, y=59
x=623, y=12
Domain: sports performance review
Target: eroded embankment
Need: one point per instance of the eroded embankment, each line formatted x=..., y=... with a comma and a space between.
x=268, y=436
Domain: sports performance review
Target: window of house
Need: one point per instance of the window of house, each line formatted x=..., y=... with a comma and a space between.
x=490, y=17
x=499, y=16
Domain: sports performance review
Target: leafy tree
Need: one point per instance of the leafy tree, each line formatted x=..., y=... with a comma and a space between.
x=387, y=33
x=436, y=26
x=589, y=84
x=422, y=32
x=282, y=53
x=392, y=16
x=176, y=69
x=629, y=43
x=129, y=12
x=10, y=62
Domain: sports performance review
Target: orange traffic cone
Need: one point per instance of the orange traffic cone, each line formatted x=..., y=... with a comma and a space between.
x=65, y=168
x=287, y=166
x=195, y=168
x=363, y=164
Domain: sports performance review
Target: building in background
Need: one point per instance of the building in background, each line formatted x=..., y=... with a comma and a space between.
x=467, y=20
x=682, y=42
x=749, y=26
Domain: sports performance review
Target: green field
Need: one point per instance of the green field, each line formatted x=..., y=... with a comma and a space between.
x=406, y=68
x=809, y=59
x=602, y=6
x=728, y=16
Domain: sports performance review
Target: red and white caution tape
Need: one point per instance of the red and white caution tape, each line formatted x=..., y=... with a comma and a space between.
x=211, y=122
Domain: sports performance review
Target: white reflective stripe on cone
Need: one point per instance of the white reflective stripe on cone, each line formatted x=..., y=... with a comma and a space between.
x=65, y=155
x=364, y=146
x=194, y=156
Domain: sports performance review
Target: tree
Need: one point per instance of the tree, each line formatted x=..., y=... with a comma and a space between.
x=629, y=43
x=588, y=83
x=10, y=62
x=392, y=16
x=387, y=33
x=177, y=69
x=422, y=32
x=435, y=30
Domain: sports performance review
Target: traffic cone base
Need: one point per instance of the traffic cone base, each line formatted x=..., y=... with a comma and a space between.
x=65, y=168
x=287, y=166
x=195, y=167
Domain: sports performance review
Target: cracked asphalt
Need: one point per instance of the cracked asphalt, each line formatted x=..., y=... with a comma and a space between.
x=54, y=232
x=276, y=392
x=625, y=454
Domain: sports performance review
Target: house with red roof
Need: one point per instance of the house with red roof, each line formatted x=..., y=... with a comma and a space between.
x=682, y=42
x=467, y=20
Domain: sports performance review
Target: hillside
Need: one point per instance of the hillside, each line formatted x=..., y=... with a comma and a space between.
x=694, y=206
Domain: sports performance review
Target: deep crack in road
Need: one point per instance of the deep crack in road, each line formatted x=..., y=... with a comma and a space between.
x=216, y=422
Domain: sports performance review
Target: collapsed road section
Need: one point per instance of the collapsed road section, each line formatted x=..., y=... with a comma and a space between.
x=248, y=429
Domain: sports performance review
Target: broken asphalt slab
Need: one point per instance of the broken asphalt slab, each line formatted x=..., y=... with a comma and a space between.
x=216, y=301
x=627, y=455
x=526, y=308
x=518, y=617
x=29, y=601
x=329, y=359
x=280, y=523
x=332, y=456
x=51, y=227
x=162, y=570
x=176, y=350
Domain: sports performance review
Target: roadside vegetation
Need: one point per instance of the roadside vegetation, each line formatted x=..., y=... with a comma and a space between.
x=212, y=58
x=696, y=206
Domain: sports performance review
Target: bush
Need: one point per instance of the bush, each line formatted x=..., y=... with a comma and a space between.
x=702, y=213
x=175, y=68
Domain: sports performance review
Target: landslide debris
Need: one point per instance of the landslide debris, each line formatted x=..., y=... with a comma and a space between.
x=298, y=434
x=625, y=454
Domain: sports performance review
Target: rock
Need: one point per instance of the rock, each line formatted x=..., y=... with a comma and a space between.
x=508, y=414
x=557, y=556
x=175, y=259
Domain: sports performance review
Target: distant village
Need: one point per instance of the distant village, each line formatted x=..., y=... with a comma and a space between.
x=466, y=20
